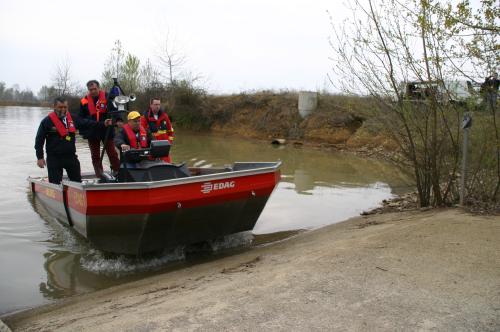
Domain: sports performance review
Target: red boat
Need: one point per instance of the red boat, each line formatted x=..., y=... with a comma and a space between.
x=155, y=205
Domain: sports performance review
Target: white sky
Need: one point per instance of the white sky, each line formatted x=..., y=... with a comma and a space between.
x=235, y=45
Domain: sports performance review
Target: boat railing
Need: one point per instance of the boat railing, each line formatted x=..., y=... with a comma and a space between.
x=90, y=182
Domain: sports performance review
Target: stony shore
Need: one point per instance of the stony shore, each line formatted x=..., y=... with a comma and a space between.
x=414, y=270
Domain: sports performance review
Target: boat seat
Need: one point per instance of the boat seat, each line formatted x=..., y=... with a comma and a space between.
x=146, y=172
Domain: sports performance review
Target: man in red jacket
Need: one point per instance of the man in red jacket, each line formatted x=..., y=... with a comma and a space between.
x=94, y=106
x=157, y=121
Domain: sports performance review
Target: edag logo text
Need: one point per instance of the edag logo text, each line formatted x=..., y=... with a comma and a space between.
x=209, y=186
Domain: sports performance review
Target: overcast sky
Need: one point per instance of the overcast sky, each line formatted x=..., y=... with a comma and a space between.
x=235, y=45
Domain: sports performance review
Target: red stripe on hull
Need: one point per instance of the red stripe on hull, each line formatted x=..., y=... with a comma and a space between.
x=154, y=200
x=48, y=192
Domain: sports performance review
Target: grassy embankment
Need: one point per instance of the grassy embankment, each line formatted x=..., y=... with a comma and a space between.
x=339, y=121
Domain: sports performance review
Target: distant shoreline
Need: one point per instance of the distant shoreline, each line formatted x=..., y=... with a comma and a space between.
x=24, y=103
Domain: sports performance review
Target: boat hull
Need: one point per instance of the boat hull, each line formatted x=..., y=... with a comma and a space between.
x=144, y=217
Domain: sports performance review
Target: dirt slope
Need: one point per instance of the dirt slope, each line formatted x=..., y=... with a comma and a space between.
x=433, y=270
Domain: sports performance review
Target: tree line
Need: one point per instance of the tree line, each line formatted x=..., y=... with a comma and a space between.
x=15, y=94
x=160, y=77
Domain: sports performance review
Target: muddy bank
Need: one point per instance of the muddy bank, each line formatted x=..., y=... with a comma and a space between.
x=340, y=121
x=438, y=269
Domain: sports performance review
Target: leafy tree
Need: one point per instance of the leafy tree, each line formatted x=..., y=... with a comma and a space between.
x=2, y=90
x=114, y=65
x=474, y=32
x=47, y=93
x=130, y=78
x=15, y=94
x=126, y=68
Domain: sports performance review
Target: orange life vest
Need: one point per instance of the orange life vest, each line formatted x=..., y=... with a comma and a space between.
x=161, y=128
x=96, y=109
x=143, y=137
x=61, y=128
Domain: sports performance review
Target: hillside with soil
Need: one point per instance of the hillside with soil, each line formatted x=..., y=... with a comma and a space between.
x=339, y=121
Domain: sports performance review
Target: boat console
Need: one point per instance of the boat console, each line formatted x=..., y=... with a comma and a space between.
x=144, y=165
x=158, y=149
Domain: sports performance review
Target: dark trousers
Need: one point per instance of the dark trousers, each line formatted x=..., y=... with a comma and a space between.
x=491, y=101
x=95, y=152
x=56, y=164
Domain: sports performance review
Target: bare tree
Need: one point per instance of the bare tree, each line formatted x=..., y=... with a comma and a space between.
x=379, y=49
x=390, y=44
x=61, y=79
x=170, y=58
x=150, y=76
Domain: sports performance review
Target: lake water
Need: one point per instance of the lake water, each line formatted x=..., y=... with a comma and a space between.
x=41, y=260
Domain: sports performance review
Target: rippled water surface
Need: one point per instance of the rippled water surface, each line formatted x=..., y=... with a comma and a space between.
x=41, y=260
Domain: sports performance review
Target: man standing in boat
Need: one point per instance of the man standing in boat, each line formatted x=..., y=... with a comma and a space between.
x=94, y=106
x=133, y=134
x=57, y=133
x=157, y=121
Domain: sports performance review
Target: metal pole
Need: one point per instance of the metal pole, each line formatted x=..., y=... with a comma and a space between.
x=464, y=166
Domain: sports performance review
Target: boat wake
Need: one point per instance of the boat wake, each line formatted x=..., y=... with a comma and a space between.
x=238, y=240
x=121, y=265
x=98, y=262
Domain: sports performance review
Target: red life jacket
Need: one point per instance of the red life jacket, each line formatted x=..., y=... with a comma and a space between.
x=61, y=129
x=161, y=133
x=143, y=137
x=94, y=109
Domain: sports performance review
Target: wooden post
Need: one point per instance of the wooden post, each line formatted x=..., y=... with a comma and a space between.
x=466, y=124
x=464, y=166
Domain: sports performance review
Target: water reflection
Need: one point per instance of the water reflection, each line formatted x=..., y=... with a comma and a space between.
x=64, y=275
x=311, y=166
x=319, y=206
x=70, y=273
x=303, y=182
